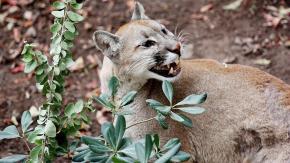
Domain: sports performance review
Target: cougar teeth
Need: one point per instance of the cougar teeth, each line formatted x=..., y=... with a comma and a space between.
x=171, y=71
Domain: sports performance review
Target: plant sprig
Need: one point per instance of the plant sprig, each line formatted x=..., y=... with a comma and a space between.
x=142, y=150
x=50, y=72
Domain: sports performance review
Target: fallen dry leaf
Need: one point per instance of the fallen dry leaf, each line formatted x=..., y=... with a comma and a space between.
x=14, y=120
x=203, y=18
x=16, y=34
x=271, y=21
x=28, y=15
x=78, y=65
x=206, y=8
x=10, y=2
x=287, y=44
x=130, y=4
x=17, y=69
x=230, y=60
x=262, y=62
x=34, y=111
x=91, y=85
x=233, y=6
x=94, y=60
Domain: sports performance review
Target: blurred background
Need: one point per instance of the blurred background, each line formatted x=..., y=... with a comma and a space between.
x=248, y=32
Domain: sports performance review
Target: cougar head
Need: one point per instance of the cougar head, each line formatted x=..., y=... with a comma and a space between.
x=142, y=48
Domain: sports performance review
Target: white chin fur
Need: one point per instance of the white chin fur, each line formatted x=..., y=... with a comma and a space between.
x=152, y=75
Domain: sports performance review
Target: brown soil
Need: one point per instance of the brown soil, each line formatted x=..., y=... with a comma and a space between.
x=216, y=34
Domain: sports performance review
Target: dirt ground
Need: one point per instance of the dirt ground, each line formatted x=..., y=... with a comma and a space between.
x=250, y=35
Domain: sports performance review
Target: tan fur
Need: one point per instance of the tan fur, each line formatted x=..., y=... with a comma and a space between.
x=247, y=116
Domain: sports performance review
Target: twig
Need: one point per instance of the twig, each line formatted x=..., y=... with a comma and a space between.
x=143, y=121
x=25, y=142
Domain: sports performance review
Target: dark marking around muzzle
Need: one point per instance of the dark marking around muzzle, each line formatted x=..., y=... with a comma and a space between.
x=159, y=58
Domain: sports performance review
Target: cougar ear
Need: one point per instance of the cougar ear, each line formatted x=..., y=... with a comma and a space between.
x=108, y=43
x=139, y=12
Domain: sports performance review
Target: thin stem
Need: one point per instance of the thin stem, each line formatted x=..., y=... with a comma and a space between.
x=25, y=142
x=143, y=121
x=50, y=85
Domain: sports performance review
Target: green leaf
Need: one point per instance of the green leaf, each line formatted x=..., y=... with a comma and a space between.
x=88, y=140
x=170, y=143
x=148, y=147
x=69, y=35
x=130, y=149
x=9, y=132
x=170, y=153
x=128, y=98
x=70, y=26
x=69, y=109
x=26, y=48
x=103, y=100
x=113, y=85
x=76, y=6
x=156, y=140
x=50, y=129
x=164, y=110
x=187, y=121
x=55, y=27
x=140, y=151
x=30, y=66
x=120, y=159
x=27, y=57
x=120, y=129
x=153, y=103
x=58, y=14
x=80, y=156
x=193, y=99
x=35, y=135
x=78, y=107
x=26, y=121
x=58, y=5
x=74, y=16
x=13, y=158
x=108, y=131
x=161, y=120
x=192, y=110
x=100, y=148
x=180, y=157
x=176, y=117
x=167, y=90
x=92, y=157
x=125, y=111
x=34, y=154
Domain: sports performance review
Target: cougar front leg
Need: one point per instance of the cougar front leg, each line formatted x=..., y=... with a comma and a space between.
x=105, y=74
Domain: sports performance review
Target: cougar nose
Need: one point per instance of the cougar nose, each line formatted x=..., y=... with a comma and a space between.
x=176, y=49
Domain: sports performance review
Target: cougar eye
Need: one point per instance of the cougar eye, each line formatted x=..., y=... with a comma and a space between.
x=148, y=43
x=164, y=31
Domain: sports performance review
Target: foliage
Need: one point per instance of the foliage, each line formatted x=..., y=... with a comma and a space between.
x=111, y=146
x=49, y=137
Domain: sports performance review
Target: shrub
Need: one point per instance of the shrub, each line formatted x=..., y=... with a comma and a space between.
x=56, y=122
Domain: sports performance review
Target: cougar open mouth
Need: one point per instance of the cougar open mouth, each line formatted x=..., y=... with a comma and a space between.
x=170, y=70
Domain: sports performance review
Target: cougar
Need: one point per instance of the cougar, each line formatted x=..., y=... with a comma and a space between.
x=247, y=116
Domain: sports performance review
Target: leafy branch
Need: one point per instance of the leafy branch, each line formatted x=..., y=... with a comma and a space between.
x=56, y=123
x=111, y=146
x=50, y=71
